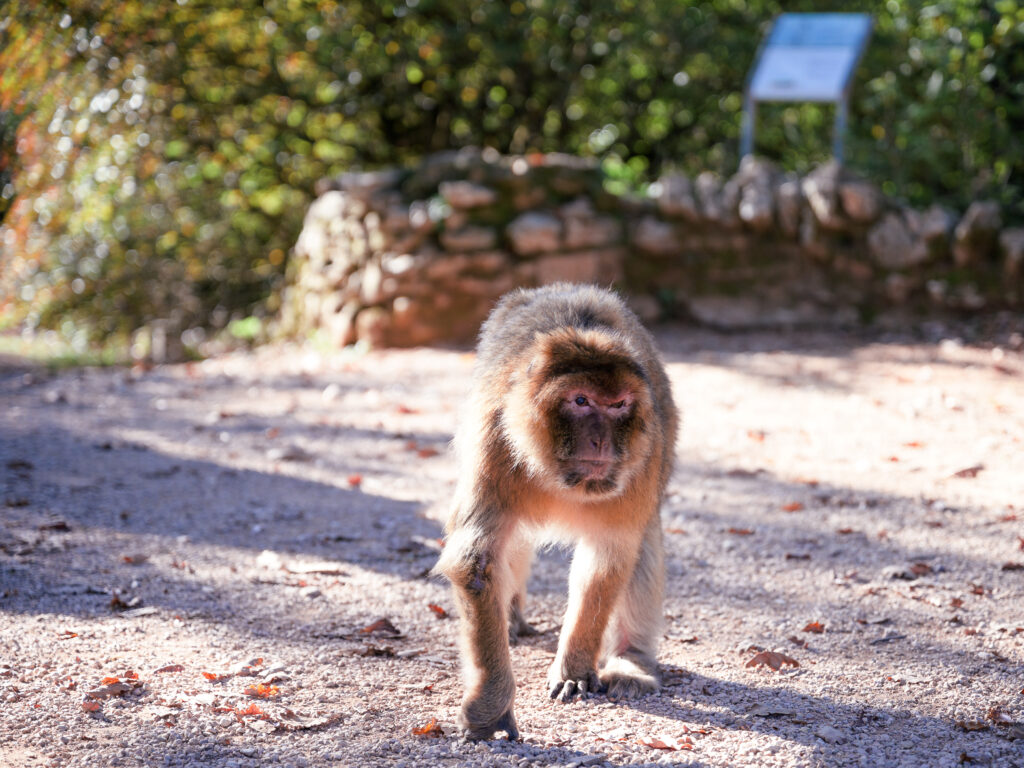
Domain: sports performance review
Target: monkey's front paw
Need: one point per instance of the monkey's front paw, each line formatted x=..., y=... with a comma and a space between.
x=478, y=720
x=573, y=685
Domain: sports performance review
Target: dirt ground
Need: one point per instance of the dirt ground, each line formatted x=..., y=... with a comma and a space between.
x=194, y=560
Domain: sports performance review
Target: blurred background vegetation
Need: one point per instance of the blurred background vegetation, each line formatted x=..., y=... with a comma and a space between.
x=156, y=159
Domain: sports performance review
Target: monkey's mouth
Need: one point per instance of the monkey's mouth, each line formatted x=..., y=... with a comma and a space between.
x=589, y=472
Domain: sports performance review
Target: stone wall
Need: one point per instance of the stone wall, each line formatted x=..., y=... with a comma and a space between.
x=410, y=257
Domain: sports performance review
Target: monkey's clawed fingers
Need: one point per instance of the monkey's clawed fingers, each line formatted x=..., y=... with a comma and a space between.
x=567, y=690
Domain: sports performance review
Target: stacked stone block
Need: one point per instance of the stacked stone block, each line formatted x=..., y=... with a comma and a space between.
x=419, y=256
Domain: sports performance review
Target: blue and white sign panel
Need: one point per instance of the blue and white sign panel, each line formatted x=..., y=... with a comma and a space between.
x=809, y=56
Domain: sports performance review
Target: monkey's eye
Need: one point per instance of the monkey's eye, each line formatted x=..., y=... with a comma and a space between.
x=580, y=400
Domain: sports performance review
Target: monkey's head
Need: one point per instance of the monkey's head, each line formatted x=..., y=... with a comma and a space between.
x=578, y=412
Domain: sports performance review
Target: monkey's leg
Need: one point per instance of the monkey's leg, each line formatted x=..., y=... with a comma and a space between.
x=477, y=566
x=595, y=579
x=630, y=668
x=520, y=559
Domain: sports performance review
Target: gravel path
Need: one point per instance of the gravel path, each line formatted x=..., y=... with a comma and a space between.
x=194, y=561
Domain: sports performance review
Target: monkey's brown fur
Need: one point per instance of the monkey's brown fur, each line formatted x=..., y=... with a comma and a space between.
x=568, y=436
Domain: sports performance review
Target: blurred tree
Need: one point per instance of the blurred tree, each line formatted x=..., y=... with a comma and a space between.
x=156, y=159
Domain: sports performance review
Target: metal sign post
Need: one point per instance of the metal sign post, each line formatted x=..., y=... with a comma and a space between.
x=806, y=57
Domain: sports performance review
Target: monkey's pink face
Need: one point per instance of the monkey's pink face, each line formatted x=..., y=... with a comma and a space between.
x=592, y=430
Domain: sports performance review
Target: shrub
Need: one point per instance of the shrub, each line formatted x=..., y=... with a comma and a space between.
x=156, y=159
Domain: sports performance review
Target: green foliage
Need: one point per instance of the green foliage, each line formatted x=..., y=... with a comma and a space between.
x=156, y=159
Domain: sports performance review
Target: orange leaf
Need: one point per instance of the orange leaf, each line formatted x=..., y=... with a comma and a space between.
x=757, y=435
x=431, y=729
x=212, y=676
x=110, y=680
x=816, y=627
x=355, y=480
x=169, y=668
x=381, y=625
x=251, y=711
x=262, y=691
x=426, y=453
x=913, y=444
x=91, y=706
x=740, y=531
x=441, y=612
x=793, y=506
x=772, y=659
x=845, y=531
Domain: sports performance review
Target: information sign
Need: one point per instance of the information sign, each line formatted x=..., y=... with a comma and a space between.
x=807, y=57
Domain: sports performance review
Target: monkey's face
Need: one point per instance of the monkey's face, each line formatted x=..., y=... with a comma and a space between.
x=591, y=428
x=577, y=415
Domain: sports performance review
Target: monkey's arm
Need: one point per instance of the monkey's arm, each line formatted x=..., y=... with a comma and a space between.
x=596, y=579
x=475, y=560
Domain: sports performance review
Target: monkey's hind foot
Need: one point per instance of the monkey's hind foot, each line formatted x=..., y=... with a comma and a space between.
x=628, y=677
x=517, y=628
x=484, y=732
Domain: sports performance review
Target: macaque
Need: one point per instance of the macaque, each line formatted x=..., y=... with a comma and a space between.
x=568, y=436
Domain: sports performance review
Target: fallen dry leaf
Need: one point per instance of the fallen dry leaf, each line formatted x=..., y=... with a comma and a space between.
x=793, y=506
x=292, y=722
x=137, y=559
x=110, y=690
x=757, y=435
x=377, y=650
x=997, y=716
x=816, y=627
x=913, y=444
x=740, y=531
x=383, y=626
x=772, y=659
x=438, y=610
x=920, y=569
x=792, y=556
x=91, y=706
x=431, y=729
x=845, y=531
x=667, y=742
x=262, y=691
x=972, y=725
x=426, y=453
x=354, y=481
x=251, y=711
x=798, y=642
x=1012, y=567
x=678, y=531
x=215, y=676
x=969, y=471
